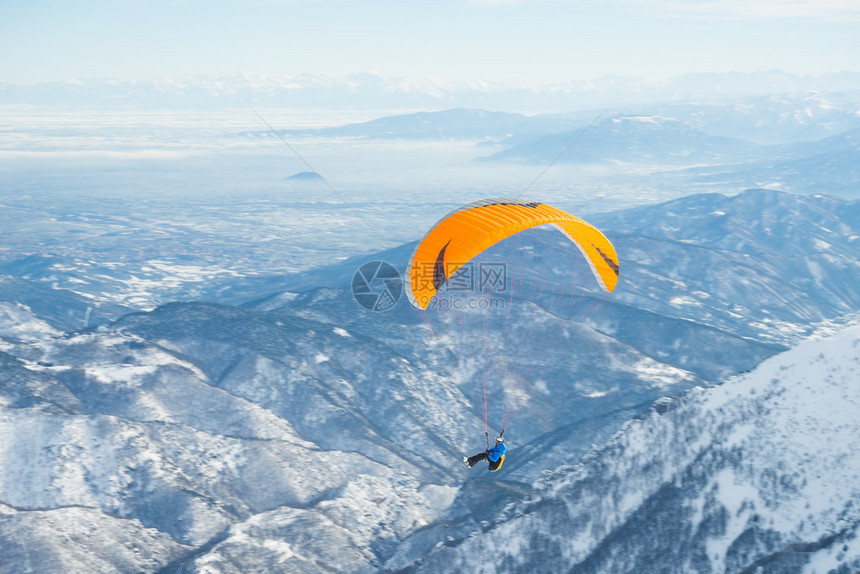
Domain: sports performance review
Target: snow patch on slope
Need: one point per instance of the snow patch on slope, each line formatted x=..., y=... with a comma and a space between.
x=758, y=471
x=18, y=322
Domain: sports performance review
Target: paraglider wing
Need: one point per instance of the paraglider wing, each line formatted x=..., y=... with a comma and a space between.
x=468, y=231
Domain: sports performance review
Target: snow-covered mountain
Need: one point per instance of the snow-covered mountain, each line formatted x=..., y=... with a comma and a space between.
x=372, y=91
x=652, y=140
x=219, y=422
x=742, y=124
x=299, y=432
x=829, y=165
x=733, y=250
x=59, y=309
x=760, y=474
x=459, y=123
x=768, y=119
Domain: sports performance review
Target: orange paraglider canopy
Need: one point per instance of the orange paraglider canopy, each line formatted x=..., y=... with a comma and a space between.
x=468, y=231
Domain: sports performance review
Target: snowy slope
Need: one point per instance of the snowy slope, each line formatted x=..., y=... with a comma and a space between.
x=764, y=264
x=138, y=446
x=759, y=472
x=302, y=433
x=80, y=539
x=18, y=322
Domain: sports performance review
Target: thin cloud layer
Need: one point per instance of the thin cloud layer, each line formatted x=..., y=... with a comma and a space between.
x=724, y=9
x=765, y=9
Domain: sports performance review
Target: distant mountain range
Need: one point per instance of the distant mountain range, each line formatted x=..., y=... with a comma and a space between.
x=817, y=159
x=452, y=124
x=762, y=120
x=645, y=140
x=830, y=165
x=803, y=144
x=300, y=432
x=371, y=91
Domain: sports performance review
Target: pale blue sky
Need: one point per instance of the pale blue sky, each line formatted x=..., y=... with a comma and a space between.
x=526, y=42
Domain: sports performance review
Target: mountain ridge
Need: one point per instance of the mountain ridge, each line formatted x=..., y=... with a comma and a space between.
x=301, y=430
x=595, y=517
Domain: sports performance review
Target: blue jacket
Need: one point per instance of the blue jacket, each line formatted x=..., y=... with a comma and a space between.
x=496, y=452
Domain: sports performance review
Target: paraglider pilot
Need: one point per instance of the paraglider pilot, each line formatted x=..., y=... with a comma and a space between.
x=495, y=456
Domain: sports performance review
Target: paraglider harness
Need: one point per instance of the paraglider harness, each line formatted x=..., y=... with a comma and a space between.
x=500, y=456
x=494, y=456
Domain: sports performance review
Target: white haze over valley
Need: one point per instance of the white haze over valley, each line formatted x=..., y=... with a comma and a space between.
x=84, y=178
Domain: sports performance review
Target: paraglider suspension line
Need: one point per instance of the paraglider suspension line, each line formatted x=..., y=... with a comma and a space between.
x=559, y=156
x=324, y=180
